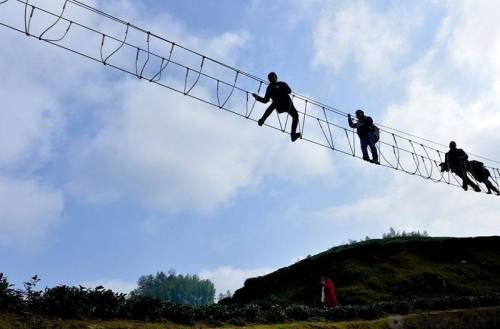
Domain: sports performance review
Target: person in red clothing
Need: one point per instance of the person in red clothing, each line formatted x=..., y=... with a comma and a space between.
x=329, y=294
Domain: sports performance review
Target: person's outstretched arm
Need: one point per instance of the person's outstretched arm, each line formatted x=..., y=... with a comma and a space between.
x=351, y=124
x=264, y=99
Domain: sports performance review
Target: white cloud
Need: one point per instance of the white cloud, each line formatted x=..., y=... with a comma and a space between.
x=229, y=278
x=410, y=204
x=356, y=33
x=443, y=103
x=29, y=126
x=33, y=120
x=453, y=92
x=28, y=211
x=116, y=285
x=150, y=226
x=169, y=153
x=474, y=37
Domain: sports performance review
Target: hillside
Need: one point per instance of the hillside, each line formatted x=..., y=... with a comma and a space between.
x=384, y=270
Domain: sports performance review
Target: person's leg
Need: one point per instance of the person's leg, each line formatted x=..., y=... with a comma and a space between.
x=467, y=168
x=491, y=186
x=460, y=173
x=373, y=148
x=295, y=122
x=268, y=112
x=364, y=147
x=472, y=184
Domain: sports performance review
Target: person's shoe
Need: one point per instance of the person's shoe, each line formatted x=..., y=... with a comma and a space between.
x=367, y=159
x=465, y=187
x=295, y=136
x=375, y=162
x=260, y=122
x=477, y=189
x=489, y=192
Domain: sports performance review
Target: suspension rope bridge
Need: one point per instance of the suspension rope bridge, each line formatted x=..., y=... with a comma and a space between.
x=146, y=55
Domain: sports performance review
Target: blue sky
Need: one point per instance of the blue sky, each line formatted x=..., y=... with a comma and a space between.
x=104, y=178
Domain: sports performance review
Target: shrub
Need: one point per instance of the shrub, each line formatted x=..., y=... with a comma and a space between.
x=65, y=302
x=10, y=299
x=252, y=313
x=275, y=314
x=299, y=312
x=370, y=312
x=237, y=322
x=104, y=303
x=99, y=303
x=143, y=308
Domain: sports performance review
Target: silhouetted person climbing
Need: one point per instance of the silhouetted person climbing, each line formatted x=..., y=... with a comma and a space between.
x=482, y=175
x=456, y=160
x=366, y=132
x=328, y=292
x=278, y=92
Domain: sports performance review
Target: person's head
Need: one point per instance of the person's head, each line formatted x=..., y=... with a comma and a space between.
x=360, y=114
x=322, y=280
x=272, y=77
x=453, y=145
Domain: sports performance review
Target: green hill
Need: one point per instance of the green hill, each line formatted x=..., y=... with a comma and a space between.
x=386, y=270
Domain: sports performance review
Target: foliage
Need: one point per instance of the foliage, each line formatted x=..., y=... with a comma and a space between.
x=402, y=234
x=82, y=303
x=10, y=299
x=182, y=289
x=225, y=295
x=392, y=234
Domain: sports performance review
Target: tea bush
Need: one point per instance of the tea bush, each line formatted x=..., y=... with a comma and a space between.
x=98, y=303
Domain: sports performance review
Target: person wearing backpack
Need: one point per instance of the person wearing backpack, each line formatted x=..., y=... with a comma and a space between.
x=456, y=160
x=368, y=135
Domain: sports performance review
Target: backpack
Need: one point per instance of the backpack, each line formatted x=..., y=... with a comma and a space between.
x=376, y=133
x=479, y=167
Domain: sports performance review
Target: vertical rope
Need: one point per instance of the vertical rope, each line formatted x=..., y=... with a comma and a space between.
x=197, y=79
x=248, y=114
x=105, y=60
x=157, y=76
x=147, y=59
x=54, y=24
x=27, y=19
x=232, y=90
x=353, y=153
x=304, y=118
x=329, y=129
x=324, y=134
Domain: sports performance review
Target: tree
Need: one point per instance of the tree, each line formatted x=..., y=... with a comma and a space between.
x=397, y=234
x=222, y=295
x=177, y=288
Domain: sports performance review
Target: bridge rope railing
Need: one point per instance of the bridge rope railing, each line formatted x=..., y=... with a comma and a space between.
x=220, y=85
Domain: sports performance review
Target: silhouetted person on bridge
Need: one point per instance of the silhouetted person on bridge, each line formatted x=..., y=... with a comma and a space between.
x=278, y=92
x=366, y=132
x=482, y=175
x=457, y=161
